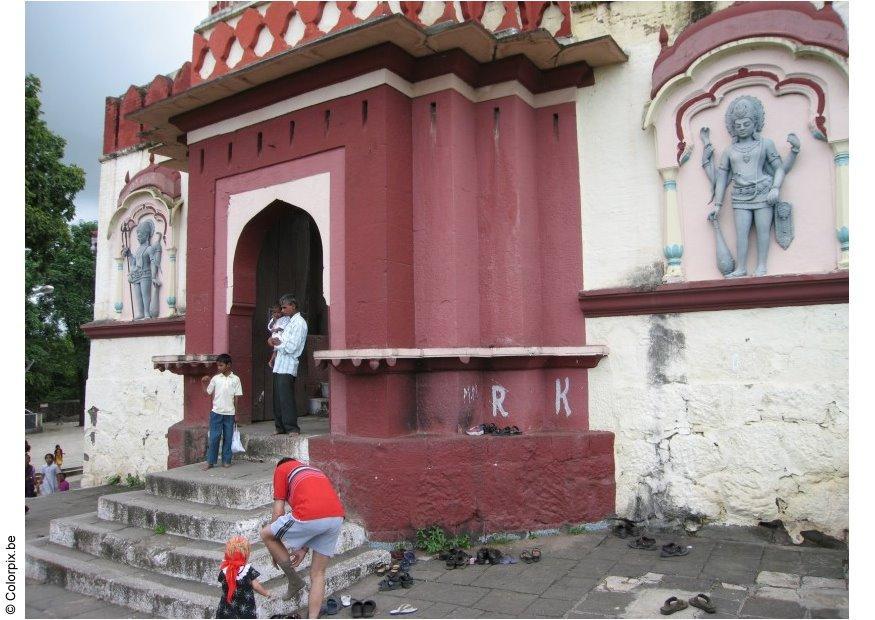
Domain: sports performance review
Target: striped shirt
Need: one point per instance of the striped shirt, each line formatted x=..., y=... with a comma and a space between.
x=307, y=491
x=292, y=340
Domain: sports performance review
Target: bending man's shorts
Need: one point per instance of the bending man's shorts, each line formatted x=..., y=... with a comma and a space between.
x=320, y=535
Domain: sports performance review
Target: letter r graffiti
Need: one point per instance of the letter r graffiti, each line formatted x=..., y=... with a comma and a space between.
x=498, y=395
x=562, y=396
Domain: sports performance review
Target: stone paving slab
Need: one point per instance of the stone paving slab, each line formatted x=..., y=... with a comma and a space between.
x=574, y=576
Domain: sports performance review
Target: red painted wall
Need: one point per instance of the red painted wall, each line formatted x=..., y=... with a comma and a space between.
x=460, y=227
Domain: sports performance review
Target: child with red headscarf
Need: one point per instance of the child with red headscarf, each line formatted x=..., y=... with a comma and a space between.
x=239, y=582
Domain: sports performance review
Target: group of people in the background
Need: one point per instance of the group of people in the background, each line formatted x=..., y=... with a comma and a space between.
x=49, y=479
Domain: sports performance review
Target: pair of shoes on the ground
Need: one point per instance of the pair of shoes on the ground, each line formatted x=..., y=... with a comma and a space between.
x=488, y=555
x=363, y=609
x=668, y=550
x=456, y=558
x=492, y=429
x=674, y=604
x=208, y=466
x=396, y=579
x=404, y=557
x=531, y=555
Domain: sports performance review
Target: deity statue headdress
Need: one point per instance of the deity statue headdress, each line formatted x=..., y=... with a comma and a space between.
x=745, y=106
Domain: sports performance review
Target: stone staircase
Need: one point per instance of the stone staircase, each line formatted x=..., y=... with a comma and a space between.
x=158, y=550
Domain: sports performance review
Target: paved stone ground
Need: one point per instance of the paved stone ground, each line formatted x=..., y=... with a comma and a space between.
x=591, y=575
x=595, y=575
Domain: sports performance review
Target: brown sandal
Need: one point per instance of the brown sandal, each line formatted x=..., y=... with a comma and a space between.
x=672, y=605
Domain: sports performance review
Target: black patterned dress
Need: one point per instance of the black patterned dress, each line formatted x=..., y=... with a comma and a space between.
x=242, y=605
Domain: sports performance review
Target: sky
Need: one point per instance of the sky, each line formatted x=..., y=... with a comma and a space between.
x=83, y=52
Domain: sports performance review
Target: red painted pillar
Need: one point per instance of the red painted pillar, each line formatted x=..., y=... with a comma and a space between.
x=379, y=267
x=187, y=438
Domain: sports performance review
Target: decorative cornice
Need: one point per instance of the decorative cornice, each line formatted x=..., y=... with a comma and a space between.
x=369, y=361
x=798, y=21
x=170, y=326
x=763, y=292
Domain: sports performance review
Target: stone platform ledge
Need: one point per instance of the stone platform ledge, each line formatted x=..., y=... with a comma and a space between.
x=365, y=361
x=535, y=481
x=188, y=364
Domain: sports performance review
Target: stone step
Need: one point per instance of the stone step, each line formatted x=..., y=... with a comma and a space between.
x=189, y=519
x=172, y=597
x=244, y=485
x=271, y=448
x=176, y=556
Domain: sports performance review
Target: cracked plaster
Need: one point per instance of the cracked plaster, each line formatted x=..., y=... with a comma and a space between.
x=758, y=431
x=135, y=405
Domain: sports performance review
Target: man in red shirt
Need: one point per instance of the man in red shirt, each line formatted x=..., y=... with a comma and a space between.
x=314, y=522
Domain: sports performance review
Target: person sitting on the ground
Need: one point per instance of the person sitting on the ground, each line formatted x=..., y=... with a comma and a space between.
x=239, y=582
x=59, y=456
x=29, y=490
x=313, y=523
x=63, y=485
x=49, y=472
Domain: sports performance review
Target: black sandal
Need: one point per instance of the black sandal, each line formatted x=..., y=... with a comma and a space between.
x=672, y=550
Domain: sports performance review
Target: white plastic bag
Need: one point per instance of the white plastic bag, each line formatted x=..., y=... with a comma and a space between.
x=236, y=444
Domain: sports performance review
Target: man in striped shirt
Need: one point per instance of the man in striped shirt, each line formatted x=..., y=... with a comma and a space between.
x=313, y=523
x=288, y=344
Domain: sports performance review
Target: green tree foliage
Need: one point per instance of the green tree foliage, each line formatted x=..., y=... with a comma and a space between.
x=56, y=254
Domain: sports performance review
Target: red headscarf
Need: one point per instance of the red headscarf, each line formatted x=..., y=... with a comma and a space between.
x=234, y=560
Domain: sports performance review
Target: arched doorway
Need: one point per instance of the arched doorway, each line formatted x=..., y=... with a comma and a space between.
x=279, y=251
x=290, y=262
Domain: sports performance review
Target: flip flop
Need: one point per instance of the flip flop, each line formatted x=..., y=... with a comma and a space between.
x=672, y=605
x=703, y=601
x=643, y=542
x=403, y=608
x=671, y=550
x=368, y=609
x=356, y=609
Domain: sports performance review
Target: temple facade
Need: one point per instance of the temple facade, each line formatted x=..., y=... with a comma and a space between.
x=620, y=227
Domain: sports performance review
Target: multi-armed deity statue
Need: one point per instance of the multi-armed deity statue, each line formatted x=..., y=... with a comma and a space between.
x=144, y=268
x=754, y=168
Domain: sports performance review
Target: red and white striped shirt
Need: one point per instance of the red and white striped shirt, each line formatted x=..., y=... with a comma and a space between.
x=307, y=490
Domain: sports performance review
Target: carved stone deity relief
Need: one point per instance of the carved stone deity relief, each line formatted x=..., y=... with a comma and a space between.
x=149, y=230
x=756, y=172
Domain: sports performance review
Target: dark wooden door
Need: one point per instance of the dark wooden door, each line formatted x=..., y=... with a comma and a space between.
x=290, y=262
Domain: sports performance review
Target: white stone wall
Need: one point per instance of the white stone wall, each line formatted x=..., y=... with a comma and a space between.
x=739, y=416
x=135, y=405
x=112, y=181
